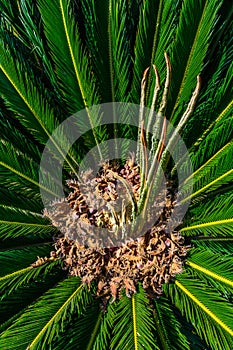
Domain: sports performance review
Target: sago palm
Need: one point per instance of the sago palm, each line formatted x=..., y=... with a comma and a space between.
x=104, y=245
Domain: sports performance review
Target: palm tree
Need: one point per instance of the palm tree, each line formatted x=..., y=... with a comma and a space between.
x=58, y=58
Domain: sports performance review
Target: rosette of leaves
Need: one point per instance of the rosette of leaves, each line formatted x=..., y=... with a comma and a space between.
x=59, y=57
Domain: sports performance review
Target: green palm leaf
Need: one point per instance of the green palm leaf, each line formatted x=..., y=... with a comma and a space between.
x=77, y=83
x=208, y=312
x=23, y=257
x=221, y=245
x=168, y=327
x=21, y=174
x=83, y=330
x=12, y=309
x=24, y=99
x=106, y=32
x=203, y=219
x=133, y=324
x=193, y=48
x=21, y=202
x=14, y=280
x=69, y=55
x=103, y=338
x=11, y=134
x=217, y=99
x=155, y=34
x=18, y=223
x=24, y=22
x=214, y=137
x=53, y=308
x=216, y=267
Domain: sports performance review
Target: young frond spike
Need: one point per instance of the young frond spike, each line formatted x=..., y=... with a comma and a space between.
x=157, y=125
x=141, y=111
x=163, y=104
x=153, y=170
x=143, y=92
x=163, y=137
x=155, y=96
x=192, y=103
x=144, y=165
x=157, y=86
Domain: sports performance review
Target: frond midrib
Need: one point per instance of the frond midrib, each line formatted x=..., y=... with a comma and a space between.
x=204, y=308
x=33, y=343
x=210, y=273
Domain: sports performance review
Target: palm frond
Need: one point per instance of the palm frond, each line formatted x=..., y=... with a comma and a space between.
x=16, y=137
x=144, y=42
x=22, y=97
x=213, y=266
x=215, y=228
x=118, y=45
x=21, y=174
x=154, y=36
x=214, y=161
x=106, y=31
x=133, y=326
x=203, y=219
x=215, y=99
x=22, y=32
x=103, y=339
x=12, y=281
x=8, y=199
x=213, y=177
x=214, y=137
x=19, y=223
x=204, y=308
x=73, y=67
x=31, y=30
x=71, y=60
x=14, y=305
x=22, y=257
x=54, y=309
x=188, y=51
x=219, y=245
x=82, y=332
x=220, y=129
x=169, y=329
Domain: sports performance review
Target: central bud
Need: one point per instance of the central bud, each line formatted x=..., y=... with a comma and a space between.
x=103, y=201
x=108, y=201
